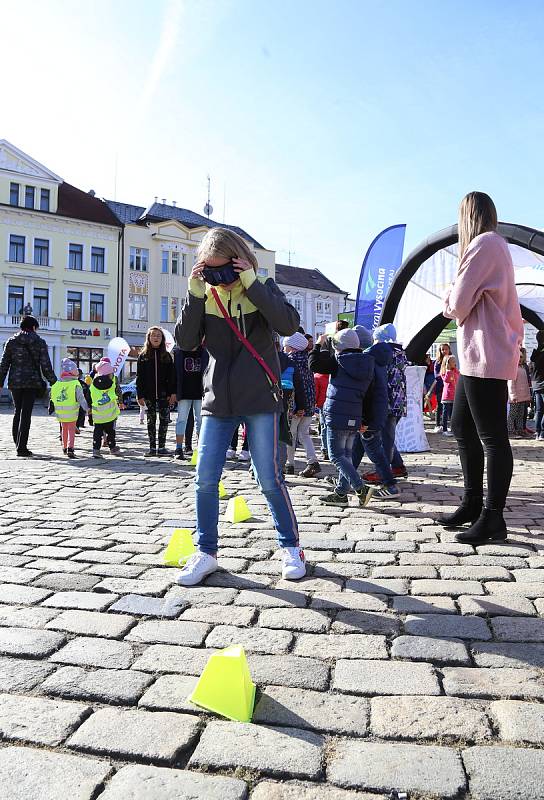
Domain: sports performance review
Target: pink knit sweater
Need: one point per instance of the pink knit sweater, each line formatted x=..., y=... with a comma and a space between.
x=484, y=301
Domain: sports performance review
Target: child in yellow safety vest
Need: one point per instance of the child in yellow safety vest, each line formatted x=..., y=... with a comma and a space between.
x=105, y=408
x=67, y=396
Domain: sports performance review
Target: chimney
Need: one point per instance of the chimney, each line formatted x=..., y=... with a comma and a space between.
x=164, y=201
x=91, y=192
x=156, y=199
x=174, y=203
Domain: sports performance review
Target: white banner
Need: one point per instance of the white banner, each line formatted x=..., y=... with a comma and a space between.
x=168, y=339
x=118, y=350
x=410, y=436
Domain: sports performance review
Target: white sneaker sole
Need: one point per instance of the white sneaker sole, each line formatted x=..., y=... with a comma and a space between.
x=294, y=574
x=193, y=579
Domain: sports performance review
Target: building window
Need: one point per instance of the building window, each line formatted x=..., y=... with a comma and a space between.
x=41, y=252
x=174, y=309
x=84, y=357
x=164, y=261
x=137, y=306
x=97, y=259
x=44, y=199
x=183, y=264
x=29, y=196
x=75, y=256
x=73, y=306
x=139, y=258
x=15, y=300
x=262, y=272
x=96, y=307
x=175, y=263
x=164, y=309
x=40, y=302
x=17, y=249
x=297, y=304
x=14, y=194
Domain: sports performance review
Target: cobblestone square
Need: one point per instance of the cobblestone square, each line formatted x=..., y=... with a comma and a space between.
x=402, y=661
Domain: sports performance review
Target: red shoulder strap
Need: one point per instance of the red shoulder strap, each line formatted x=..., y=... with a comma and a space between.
x=240, y=336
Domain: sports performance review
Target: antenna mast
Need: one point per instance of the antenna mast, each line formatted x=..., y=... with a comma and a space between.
x=208, y=208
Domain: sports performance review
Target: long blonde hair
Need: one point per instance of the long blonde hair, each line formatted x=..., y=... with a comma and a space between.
x=222, y=243
x=477, y=214
x=448, y=362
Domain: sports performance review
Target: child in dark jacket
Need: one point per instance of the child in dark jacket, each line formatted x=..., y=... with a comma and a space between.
x=304, y=405
x=156, y=387
x=351, y=374
x=190, y=366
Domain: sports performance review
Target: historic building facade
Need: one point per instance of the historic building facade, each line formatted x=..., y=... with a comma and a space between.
x=317, y=299
x=60, y=249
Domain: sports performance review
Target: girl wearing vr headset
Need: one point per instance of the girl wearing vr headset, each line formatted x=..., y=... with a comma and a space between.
x=237, y=313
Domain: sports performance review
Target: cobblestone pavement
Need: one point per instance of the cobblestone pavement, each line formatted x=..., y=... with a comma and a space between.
x=403, y=661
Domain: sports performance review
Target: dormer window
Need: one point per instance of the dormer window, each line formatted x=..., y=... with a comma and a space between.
x=14, y=194
x=44, y=199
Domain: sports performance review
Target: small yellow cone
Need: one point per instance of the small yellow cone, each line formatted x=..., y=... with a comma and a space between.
x=225, y=685
x=237, y=510
x=180, y=547
x=194, y=459
x=222, y=491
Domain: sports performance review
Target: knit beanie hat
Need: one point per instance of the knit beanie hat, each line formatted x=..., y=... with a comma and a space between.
x=297, y=341
x=385, y=333
x=346, y=339
x=365, y=337
x=68, y=367
x=104, y=367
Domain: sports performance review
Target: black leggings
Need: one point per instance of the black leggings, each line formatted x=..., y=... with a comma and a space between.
x=24, y=403
x=479, y=416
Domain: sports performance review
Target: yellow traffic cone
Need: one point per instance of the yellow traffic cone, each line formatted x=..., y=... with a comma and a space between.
x=225, y=685
x=237, y=510
x=180, y=547
x=194, y=459
x=222, y=491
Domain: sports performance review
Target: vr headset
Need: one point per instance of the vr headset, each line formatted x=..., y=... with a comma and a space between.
x=215, y=276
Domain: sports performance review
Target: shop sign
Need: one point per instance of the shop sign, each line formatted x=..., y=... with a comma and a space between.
x=82, y=333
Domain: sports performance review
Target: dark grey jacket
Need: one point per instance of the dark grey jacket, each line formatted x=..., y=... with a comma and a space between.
x=25, y=357
x=234, y=383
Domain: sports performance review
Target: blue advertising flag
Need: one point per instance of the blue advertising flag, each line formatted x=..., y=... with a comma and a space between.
x=381, y=264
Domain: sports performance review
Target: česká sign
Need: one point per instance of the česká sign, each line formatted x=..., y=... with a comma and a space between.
x=85, y=332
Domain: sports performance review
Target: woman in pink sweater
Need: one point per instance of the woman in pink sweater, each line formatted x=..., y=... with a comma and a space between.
x=484, y=302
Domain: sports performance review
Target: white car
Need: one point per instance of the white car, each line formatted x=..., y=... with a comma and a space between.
x=129, y=393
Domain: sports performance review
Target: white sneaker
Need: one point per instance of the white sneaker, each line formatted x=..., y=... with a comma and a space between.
x=198, y=567
x=293, y=563
x=448, y=433
x=437, y=428
x=231, y=453
x=244, y=455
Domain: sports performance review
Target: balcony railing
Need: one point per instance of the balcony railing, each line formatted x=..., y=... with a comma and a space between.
x=13, y=321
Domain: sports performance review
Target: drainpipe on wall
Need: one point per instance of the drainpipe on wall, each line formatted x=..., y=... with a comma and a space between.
x=120, y=280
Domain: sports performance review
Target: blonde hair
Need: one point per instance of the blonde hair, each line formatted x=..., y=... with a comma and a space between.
x=222, y=243
x=448, y=362
x=477, y=214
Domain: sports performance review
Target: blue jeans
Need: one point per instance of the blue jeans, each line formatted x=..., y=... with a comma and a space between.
x=323, y=425
x=374, y=448
x=340, y=447
x=184, y=407
x=388, y=439
x=215, y=438
x=447, y=408
x=539, y=410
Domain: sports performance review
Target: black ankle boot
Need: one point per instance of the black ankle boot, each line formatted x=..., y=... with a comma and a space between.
x=469, y=511
x=490, y=527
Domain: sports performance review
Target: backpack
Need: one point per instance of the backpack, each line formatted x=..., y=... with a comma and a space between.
x=396, y=383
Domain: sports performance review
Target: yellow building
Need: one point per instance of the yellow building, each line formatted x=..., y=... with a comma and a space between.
x=158, y=253
x=61, y=251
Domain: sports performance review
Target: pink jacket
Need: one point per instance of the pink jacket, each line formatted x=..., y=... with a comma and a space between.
x=484, y=302
x=450, y=378
x=518, y=389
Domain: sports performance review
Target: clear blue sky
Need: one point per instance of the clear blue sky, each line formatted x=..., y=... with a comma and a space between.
x=321, y=123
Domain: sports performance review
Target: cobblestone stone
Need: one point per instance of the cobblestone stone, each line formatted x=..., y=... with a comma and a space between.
x=416, y=768
x=505, y=682
x=519, y=722
x=272, y=751
x=85, y=601
x=18, y=674
x=492, y=654
x=169, y=632
x=256, y=640
x=28, y=642
x=508, y=629
x=295, y=619
x=344, y=645
x=417, y=718
x=446, y=625
x=343, y=714
x=497, y=606
x=95, y=652
x=115, y=686
x=92, y=623
x=384, y=677
x=38, y=720
x=30, y=774
x=509, y=773
x=139, y=782
x=365, y=622
x=423, y=648
x=159, y=735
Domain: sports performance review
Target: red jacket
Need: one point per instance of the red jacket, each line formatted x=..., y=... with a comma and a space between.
x=321, y=383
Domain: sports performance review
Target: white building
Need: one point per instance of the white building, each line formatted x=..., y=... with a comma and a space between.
x=317, y=299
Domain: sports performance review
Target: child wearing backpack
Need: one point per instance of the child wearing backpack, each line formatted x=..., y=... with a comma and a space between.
x=68, y=398
x=105, y=408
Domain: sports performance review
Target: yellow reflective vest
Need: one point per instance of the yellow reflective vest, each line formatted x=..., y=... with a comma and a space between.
x=104, y=404
x=63, y=395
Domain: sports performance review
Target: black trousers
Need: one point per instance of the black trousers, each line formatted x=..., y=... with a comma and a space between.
x=189, y=430
x=24, y=403
x=100, y=429
x=479, y=422
x=157, y=408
